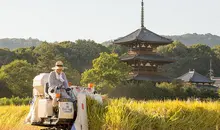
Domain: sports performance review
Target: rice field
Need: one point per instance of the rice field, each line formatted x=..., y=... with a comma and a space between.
x=123, y=114
x=12, y=118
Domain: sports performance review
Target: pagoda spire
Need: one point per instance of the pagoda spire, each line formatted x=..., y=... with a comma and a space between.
x=142, y=14
x=211, y=72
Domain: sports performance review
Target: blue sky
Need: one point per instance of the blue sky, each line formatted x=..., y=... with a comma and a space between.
x=102, y=20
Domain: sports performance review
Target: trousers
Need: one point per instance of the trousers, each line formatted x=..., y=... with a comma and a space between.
x=54, y=98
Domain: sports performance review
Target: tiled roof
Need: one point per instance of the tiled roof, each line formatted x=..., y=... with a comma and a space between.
x=147, y=57
x=150, y=77
x=143, y=35
x=194, y=77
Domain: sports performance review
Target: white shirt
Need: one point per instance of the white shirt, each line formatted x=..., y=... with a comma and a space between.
x=59, y=77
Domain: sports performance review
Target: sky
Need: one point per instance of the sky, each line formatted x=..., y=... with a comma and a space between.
x=103, y=20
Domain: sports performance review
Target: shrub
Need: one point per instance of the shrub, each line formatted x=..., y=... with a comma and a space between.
x=208, y=93
x=14, y=101
x=139, y=91
x=174, y=90
x=18, y=77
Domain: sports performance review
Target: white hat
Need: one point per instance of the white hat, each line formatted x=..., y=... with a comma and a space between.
x=59, y=65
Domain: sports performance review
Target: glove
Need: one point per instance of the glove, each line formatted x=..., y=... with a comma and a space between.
x=52, y=90
x=68, y=89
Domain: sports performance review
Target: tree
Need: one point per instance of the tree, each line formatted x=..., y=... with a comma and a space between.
x=26, y=54
x=85, y=51
x=176, y=49
x=195, y=57
x=18, y=76
x=178, y=52
x=216, y=50
x=200, y=55
x=6, y=56
x=72, y=75
x=4, y=91
x=107, y=72
x=216, y=60
x=120, y=50
x=47, y=55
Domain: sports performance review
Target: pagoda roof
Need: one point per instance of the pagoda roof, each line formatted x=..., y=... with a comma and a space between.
x=143, y=35
x=151, y=77
x=147, y=57
x=194, y=77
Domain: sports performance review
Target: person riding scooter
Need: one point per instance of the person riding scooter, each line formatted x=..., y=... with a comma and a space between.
x=57, y=80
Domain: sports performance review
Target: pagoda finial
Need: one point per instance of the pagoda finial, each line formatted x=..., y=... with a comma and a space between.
x=211, y=72
x=142, y=14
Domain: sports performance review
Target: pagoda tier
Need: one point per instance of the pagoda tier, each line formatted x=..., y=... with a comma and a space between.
x=147, y=67
x=142, y=55
x=150, y=77
x=142, y=36
x=146, y=58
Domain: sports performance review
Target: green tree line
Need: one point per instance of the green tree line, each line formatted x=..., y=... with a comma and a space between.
x=196, y=57
x=18, y=67
x=85, y=64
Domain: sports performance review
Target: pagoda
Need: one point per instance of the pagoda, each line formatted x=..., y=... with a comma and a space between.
x=142, y=55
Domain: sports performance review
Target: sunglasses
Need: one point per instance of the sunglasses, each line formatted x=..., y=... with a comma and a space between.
x=60, y=65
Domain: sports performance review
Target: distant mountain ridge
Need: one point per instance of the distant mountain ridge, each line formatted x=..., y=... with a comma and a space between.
x=13, y=43
x=187, y=39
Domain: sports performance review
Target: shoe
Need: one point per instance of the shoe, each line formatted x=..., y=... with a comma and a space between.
x=54, y=116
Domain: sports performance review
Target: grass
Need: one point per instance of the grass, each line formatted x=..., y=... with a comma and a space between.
x=123, y=114
x=14, y=101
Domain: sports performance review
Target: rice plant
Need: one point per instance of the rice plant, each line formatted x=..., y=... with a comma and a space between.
x=127, y=114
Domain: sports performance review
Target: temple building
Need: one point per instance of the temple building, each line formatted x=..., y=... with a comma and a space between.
x=142, y=55
x=195, y=78
x=200, y=81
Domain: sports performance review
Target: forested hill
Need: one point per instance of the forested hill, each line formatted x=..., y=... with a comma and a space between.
x=14, y=43
x=189, y=39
